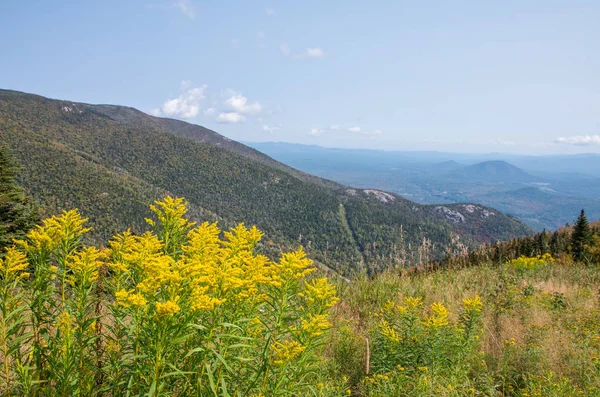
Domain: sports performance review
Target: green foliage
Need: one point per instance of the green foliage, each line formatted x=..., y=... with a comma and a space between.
x=17, y=214
x=178, y=311
x=186, y=309
x=581, y=241
x=487, y=330
x=112, y=162
x=581, y=237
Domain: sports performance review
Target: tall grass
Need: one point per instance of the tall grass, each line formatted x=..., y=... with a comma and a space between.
x=530, y=327
x=190, y=310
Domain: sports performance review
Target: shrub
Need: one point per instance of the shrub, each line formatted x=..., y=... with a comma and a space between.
x=177, y=311
x=415, y=348
x=525, y=264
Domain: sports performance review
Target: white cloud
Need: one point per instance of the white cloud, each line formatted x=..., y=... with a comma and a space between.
x=505, y=142
x=230, y=118
x=186, y=7
x=270, y=129
x=316, y=131
x=306, y=54
x=186, y=106
x=580, y=140
x=240, y=104
x=337, y=127
x=210, y=112
x=270, y=11
x=314, y=53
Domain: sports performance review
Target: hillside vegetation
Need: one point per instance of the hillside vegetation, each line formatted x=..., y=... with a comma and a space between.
x=182, y=311
x=543, y=191
x=111, y=162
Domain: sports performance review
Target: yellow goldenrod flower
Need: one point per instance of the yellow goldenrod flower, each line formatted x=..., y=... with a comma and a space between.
x=128, y=299
x=14, y=261
x=85, y=263
x=201, y=301
x=438, y=317
x=286, y=350
x=473, y=304
x=316, y=324
x=320, y=291
x=413, y=302
x=168, y=308
x=293, y=266
x=389, y=332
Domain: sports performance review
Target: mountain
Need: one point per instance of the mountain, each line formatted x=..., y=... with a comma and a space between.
x=111, y=162
x=496, y=170
x=536, y=189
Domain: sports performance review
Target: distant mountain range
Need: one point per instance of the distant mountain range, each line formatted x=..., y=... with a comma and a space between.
x=493, y=171
x=111, y=162
x=544, y=191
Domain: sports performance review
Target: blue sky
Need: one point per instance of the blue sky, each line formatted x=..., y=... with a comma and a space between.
x=475, y=76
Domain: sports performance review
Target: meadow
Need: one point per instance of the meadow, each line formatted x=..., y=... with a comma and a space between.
x=190, y=310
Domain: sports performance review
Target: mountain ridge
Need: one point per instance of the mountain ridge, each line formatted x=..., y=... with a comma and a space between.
x=493, y=170
x=112, y=161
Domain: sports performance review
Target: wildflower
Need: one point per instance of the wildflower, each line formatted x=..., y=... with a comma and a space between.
x=315, y=325
x=170, y=213
x=412, y=302
x=85, y=264
x=473, y=305
x=15, y=261
x=56, y=231
x=286, y=351
x=65, y=321
x=438, y=317
x=168, y=308
x=293, y=266
x=127, y=299
x=320, y=291
x=388, y=332
x=201, y=301
x=24, y=275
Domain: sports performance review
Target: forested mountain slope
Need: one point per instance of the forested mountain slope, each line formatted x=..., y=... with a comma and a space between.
x=112, y=161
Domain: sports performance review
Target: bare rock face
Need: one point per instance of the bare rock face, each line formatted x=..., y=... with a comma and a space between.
x=451, y=215
x=381, y=196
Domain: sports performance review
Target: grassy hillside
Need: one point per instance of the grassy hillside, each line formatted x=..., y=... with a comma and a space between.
x=186, y=310
x=111, y=162
x=535, y=331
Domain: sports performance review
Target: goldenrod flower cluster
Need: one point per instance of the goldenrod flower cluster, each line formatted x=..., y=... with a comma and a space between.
x=180, y=299
x=524, y=263
x=13, y=264
x=286, y=351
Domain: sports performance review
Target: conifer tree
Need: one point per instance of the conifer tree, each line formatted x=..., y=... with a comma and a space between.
x=17, y=214
x=581, y=237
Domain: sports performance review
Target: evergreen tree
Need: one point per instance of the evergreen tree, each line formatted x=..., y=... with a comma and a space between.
x=541, y=241
x=17, y=214
x=581, y=237
x=555, y=248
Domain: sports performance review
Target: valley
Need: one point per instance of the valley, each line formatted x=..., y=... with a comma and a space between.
x=532, y=188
